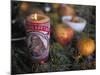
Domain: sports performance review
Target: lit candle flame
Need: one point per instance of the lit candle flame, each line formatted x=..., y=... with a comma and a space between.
x=34, y=17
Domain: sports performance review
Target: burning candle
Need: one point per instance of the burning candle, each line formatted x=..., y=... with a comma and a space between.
x=38, y=34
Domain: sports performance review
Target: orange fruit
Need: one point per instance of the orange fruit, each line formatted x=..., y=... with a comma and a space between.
x=86, y=46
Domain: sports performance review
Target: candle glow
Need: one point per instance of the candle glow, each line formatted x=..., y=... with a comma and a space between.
x=34, y=17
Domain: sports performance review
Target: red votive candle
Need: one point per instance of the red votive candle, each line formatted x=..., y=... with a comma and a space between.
x=38, y=35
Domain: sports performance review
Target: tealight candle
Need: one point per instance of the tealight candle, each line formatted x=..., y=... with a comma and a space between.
x=38, y=34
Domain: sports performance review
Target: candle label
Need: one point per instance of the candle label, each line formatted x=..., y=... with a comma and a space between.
x=38, y=39
x=38, y=27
